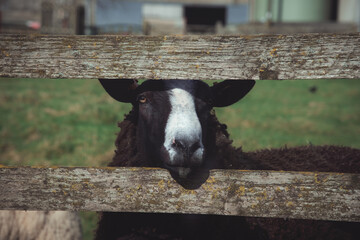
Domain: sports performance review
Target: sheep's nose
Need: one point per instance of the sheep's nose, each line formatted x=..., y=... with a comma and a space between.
x=186, y=146
x=191, y=149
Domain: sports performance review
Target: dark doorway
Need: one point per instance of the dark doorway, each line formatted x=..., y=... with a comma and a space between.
x=334, y=5
x=80, y=20
x=204, y=19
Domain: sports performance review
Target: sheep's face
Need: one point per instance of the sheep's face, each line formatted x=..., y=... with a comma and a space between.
x=172, y=121
x=173, y=116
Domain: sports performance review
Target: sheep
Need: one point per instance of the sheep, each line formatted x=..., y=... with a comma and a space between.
x=39, y=225
x=210, y=149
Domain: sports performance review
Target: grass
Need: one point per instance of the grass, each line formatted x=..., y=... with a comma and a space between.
x=278, y=113
x=73, y=122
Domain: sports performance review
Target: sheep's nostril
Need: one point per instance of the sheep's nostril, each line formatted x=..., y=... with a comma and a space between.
x=179, y=144
x=194, y=147
x=187, y=147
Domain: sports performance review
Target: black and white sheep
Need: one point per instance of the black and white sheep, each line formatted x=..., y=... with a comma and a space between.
x=172, y=125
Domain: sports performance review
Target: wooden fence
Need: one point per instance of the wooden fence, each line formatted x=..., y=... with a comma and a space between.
x=304, y=195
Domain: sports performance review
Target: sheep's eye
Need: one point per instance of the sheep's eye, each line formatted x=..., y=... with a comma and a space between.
x=142, y=99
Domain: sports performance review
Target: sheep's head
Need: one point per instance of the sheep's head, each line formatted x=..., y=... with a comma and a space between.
x=173, y=119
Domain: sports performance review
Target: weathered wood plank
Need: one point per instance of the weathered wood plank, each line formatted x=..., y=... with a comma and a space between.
x=303, y=56
x=303, y=195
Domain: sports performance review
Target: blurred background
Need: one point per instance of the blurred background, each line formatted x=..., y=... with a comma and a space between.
x=155, y=17
x=73, y=122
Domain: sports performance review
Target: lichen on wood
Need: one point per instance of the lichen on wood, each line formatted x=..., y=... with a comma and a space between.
x=299, y=56
x=299, y=195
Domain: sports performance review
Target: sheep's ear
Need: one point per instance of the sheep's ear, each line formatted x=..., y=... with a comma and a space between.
x=230, y=91
x=122, y=90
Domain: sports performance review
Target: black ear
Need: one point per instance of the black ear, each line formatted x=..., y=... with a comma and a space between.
x=122, y=90
x=230, y=91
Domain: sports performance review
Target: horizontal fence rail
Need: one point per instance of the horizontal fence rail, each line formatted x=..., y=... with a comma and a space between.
x=300, y=195
x=301, y=56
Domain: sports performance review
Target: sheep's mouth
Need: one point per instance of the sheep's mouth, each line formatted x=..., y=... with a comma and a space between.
x=189, y=178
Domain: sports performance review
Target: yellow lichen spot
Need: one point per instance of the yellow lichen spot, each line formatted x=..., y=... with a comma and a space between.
x=303, y=53
x=316, y=178
x=207, y=52
x=240, y=191
x=290, y=204
x=156, y=62
x=278, y=189
x=76, y=187
x=208, y=187
x=286, y=189
x=186, y=191
x=264, y=194
x=251, y=190
x=69, y=46
x=161, y=184
x=211, y=180
x=5, y=53
x=262, y=70
x=53, y=191
x=165, y=38
x=344, y=189
x=300, y=195
x=179, y=205
x=273, y=52
x=215, y=194
x=94, y=44
x=253, y=206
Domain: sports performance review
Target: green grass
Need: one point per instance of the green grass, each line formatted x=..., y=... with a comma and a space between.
x=73, y=122
x=278, y=113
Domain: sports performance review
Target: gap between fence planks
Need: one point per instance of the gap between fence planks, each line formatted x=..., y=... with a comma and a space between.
x=300, y=195
x=302, y=56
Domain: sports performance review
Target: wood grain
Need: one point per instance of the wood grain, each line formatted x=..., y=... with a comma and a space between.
x=302, y=56
x=300, y=195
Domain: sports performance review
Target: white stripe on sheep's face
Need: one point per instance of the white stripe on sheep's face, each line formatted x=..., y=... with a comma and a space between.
x=183, y=144
x=172, y=118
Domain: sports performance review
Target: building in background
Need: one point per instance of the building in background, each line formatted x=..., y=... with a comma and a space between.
x=163, y=17
x=300, y=16
x=305, y=11
x=62, y=17
x=42, y=16
x=158, y=17
x=20, y=16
